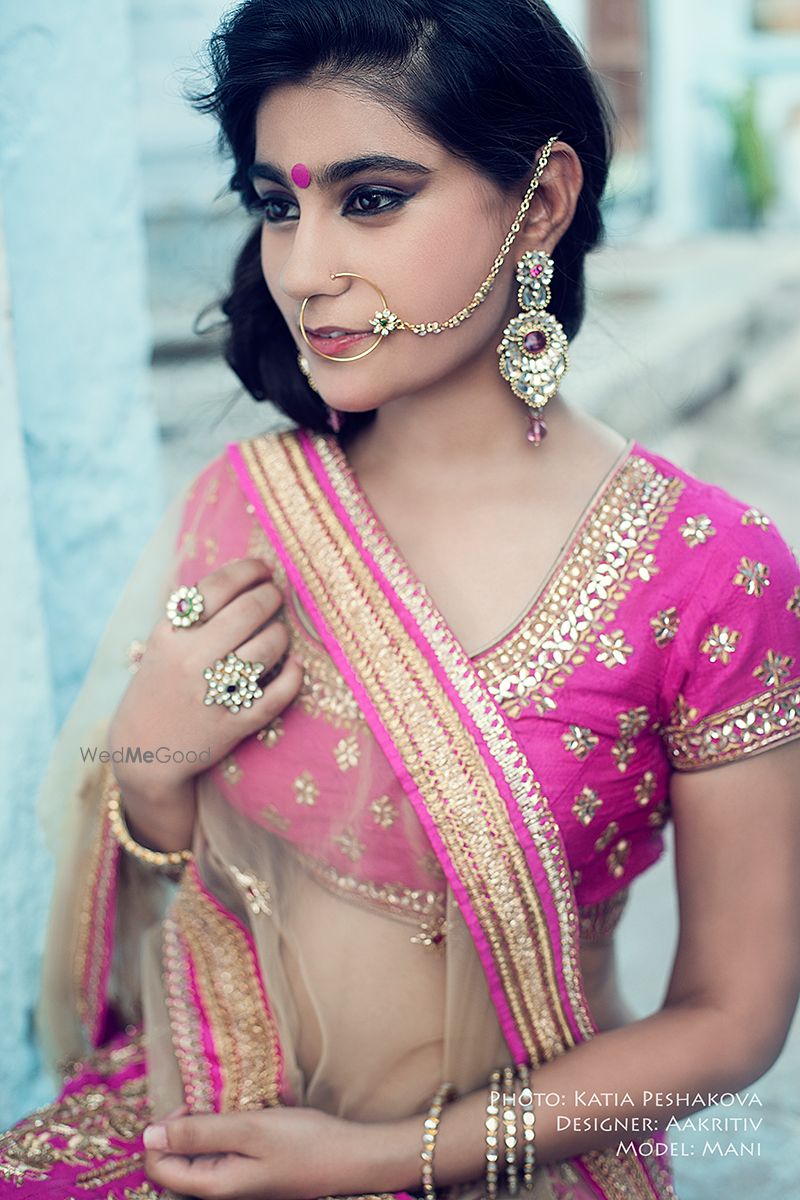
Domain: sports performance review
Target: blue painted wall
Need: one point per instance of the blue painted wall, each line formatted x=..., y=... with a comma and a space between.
x=79, y=457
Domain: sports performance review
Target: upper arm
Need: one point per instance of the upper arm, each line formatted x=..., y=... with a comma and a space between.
x=734, y=688
x=737, y=850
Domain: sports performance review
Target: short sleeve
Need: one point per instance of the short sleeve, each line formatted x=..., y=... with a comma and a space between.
x=732, y=687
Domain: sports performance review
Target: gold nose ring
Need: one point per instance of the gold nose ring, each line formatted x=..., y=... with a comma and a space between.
x=352, y=357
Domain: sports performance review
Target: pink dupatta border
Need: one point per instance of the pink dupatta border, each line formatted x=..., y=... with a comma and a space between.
x=455, y=651
x=337, y=654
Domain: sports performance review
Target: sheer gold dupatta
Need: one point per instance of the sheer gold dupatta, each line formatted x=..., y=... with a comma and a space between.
x=471, y=786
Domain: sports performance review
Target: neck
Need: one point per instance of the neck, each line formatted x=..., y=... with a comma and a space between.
x=461, y=428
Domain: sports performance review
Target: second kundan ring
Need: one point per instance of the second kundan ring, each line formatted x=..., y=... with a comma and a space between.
x=233, y=682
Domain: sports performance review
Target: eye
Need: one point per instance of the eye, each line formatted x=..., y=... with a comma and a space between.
x=273, y=208
x=393, y=200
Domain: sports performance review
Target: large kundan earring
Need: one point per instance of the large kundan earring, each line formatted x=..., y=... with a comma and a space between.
x=534, y=350
x=333, y=415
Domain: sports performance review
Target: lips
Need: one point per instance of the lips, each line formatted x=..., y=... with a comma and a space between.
x=337, y=342
x=322, y=330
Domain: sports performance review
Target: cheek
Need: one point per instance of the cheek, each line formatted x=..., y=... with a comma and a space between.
x=436, y=272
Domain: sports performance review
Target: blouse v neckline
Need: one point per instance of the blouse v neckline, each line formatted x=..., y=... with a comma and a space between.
x=594, y=503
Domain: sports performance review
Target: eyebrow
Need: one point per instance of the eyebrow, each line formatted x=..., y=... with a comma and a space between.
x=336, y=172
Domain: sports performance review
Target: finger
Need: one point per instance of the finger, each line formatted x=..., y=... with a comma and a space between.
x=219, y=1176
x=219, y=587
x=267, y=647
x=242, y=617
x=280, y=691
x=204, y=1133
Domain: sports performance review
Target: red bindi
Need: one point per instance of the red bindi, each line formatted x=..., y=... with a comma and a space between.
x=301, y=175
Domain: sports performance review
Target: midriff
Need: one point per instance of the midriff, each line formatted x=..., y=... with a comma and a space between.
x=601, y=984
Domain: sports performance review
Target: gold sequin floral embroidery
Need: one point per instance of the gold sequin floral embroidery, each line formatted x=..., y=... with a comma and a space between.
x=346, y=753
x=754, y=517
x=231, y=770
x=580, y=741
x=257, y=894
x=793, y=603
x=618, y=857
x=752, y=576
x=720, y=643
x=270, y=815
x=384, y=813
x=645, y=789
x=647, y=568
x=610, y=831
x=271, y=734
x=349, y=844
x=665, y=626
x=631, y=723
x=696, y=531
x=614, y=649
x=305, y=789
x=774, y=669
x=586, y=805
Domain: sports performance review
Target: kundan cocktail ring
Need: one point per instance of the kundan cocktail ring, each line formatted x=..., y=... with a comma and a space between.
x=233, y=681
x=185, y=606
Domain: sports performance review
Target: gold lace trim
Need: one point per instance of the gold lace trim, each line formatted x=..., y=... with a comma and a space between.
x=426, y=909
x=202, y=937
x=612, y=550
x=747, y=728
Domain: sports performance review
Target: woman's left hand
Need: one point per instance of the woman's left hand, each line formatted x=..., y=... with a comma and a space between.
x=286, y=1152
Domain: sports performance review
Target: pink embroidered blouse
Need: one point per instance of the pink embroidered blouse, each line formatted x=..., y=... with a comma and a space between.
x=666, y=638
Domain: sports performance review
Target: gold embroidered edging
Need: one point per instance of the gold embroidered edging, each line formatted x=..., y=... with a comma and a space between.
x=184, y=1022
x=747, y=728
x=612, y=549
x=533, y=807
x=244, y=1033
x=90, y=949
x=407, y=904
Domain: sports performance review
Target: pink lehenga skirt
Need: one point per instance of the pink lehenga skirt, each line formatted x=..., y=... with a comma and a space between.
x=88, y=1141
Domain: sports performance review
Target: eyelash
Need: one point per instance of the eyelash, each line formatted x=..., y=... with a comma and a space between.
x=260, y=204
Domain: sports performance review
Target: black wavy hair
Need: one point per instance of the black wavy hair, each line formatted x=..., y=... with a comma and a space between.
x=490, y=82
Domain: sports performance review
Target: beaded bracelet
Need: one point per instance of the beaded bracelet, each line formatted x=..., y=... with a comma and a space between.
x=528, y=1125
x=492, y=1138
x=116, y=820
x=510, y=1130
x=445, y=1092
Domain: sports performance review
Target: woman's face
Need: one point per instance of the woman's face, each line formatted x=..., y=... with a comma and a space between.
x=426, y=233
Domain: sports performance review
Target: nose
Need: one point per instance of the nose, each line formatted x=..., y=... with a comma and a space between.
x=310, y=265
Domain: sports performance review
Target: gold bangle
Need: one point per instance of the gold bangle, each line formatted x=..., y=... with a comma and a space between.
x=492, y=1138
x=528, y=1125
x=116, y=820
x=445, y=1092
x=510, y=1130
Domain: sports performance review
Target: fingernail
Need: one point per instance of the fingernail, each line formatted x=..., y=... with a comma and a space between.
x=155, y=1137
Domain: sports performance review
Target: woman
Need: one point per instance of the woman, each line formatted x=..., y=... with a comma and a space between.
x=474, y=673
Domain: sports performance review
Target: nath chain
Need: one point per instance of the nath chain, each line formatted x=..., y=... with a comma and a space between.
x=386, y=322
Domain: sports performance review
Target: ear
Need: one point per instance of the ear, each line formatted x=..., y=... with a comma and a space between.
x=554, y=202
